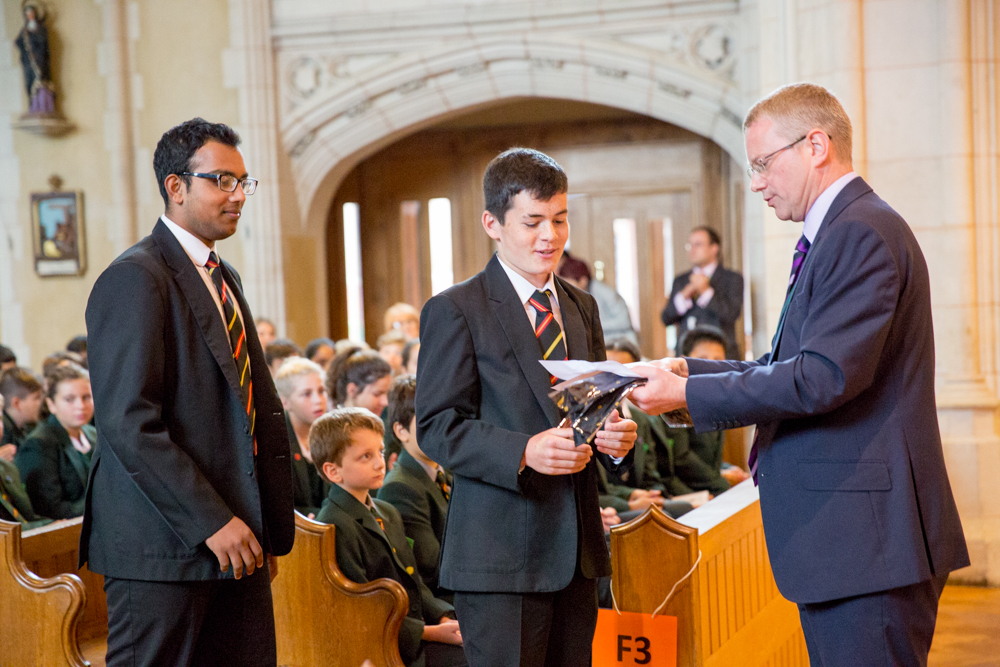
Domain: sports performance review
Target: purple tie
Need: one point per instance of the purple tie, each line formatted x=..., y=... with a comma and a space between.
x=801, y=250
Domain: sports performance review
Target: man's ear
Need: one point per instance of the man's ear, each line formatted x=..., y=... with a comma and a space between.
x=332, y=472
x=822, y=149
x=402, y=434
x=176, y=188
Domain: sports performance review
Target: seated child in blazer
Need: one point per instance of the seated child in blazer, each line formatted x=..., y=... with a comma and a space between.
x=417, y=486
x=346, y=446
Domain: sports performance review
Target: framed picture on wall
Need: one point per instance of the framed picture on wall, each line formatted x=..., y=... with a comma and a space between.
x=58, y=233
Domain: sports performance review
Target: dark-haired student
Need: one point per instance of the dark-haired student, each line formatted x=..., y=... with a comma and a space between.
x=417, y=486
x=7, y=358
x=411, y=354
x=277, y=351
x=370, y=538
x=300, y=386
x=23, y=396
x=525, y=537
x=190, y=495
x=321, y=351
x=15, y=505
x=359, y=378
x=54, y=460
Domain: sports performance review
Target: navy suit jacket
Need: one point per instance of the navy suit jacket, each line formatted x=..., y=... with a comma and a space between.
x=721, y=311
x=175, y=458
x=853, y=488
x=481, y=394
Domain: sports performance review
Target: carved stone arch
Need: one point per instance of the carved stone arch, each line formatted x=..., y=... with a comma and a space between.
x=330, y=135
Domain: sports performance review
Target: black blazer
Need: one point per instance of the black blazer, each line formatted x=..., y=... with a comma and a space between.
x=481, y=394
x=53, y=472
x=721, y=311
x=419, y=500
x=679, y=464
x=854, y=492
x=310, y=490
x=12, y=433
x=366, y=552
x=175, y=458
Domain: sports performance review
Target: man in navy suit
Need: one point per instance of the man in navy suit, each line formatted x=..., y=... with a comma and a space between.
x=859, y=517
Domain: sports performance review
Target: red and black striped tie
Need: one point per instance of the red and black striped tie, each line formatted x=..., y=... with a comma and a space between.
x=238, y=340
x=547, y=331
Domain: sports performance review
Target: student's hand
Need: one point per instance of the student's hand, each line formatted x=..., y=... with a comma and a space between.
x=234, y=544
x=617, y=436
x=447, y=632
x=641, y=499
x=7, y=452
x=609, y=517
x=272, y=566
x=553, y=452
x=664, y=391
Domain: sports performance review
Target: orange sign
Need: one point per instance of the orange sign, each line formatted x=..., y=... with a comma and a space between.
x=627, y=639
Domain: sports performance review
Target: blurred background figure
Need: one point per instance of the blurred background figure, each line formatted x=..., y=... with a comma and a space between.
x=615, y=319
x=320, y=351
x=277, y=351
x=266, y=332
x=405, y=318
x=390, y=347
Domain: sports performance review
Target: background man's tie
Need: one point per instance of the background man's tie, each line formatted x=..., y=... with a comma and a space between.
x=238, y=340
x=547, y=331
x=801, y=250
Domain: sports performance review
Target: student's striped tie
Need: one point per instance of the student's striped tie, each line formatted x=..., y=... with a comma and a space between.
x=547, y=331
x=238, y=340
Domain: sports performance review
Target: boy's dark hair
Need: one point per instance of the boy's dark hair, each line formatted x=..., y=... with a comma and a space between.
x=357, y=365
x=281, y=348
x=179, y=144
x=18, y=382
x=703, y=334
x=401, y=394
x=713, y=236
x=57, y=359
x=78, y=344
x=408, y=350
x=63, y=373
x=7, y=355
x=624, y=345
x=517, y=170
x=330, y=435
x=312, y=347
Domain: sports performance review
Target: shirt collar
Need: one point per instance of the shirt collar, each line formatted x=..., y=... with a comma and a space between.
x=820, y=207
x=525, y=290
x=193, y=246
x=707, y=271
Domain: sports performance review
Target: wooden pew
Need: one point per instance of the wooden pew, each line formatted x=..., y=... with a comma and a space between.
x=730, y=611
x=39, y=617
x=323, y=618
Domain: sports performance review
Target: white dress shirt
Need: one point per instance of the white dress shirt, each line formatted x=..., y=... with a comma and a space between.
x=525, y=290
x=684, y=304
x=80, y=444
x=198, y=252
x=820, y=207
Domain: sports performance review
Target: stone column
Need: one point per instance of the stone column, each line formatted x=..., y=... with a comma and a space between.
x=250, y=67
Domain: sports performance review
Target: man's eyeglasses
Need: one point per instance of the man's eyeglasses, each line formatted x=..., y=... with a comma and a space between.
x=227, y=182
x=760, y=165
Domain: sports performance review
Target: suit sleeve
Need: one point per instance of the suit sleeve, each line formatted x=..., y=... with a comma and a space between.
x=447, y=403
x=670, y=314
x=850, y=311
x=412, y=506
x=126, y=319
x=38, y=463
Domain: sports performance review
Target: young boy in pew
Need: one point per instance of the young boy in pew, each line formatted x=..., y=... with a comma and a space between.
x=346, y=446
x=23, y=395
x=417, y=487
x=15, y=506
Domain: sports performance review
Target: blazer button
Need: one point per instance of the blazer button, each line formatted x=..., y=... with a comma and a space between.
x=250, y=472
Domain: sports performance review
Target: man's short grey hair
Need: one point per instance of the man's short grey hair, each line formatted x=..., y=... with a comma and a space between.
x=800, y=107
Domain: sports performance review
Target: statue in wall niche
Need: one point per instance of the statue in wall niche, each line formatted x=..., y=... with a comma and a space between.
x=36, y=61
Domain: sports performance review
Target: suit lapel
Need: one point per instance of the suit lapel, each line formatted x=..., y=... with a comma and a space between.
x=574, y=329
x=201, y=302
x=420, y=477
x=852, y=191
x=357, y=510
x=514, y=321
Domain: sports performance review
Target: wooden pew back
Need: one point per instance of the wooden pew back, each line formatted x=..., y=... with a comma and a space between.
x=730, y=611
x=39, y=617
x=323, y=618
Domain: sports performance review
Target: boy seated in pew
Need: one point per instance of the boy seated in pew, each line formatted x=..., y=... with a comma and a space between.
x=417, y=487
x=23, y=395
x=371, y=543
x=680, y=470
x=708, y=343
x=15, y=506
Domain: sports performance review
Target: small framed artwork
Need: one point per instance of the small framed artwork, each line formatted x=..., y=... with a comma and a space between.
x=57, y=230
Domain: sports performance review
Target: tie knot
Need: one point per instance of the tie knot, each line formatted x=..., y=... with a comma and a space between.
x=803, y=244
x=213, y=260
x=540, y=301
